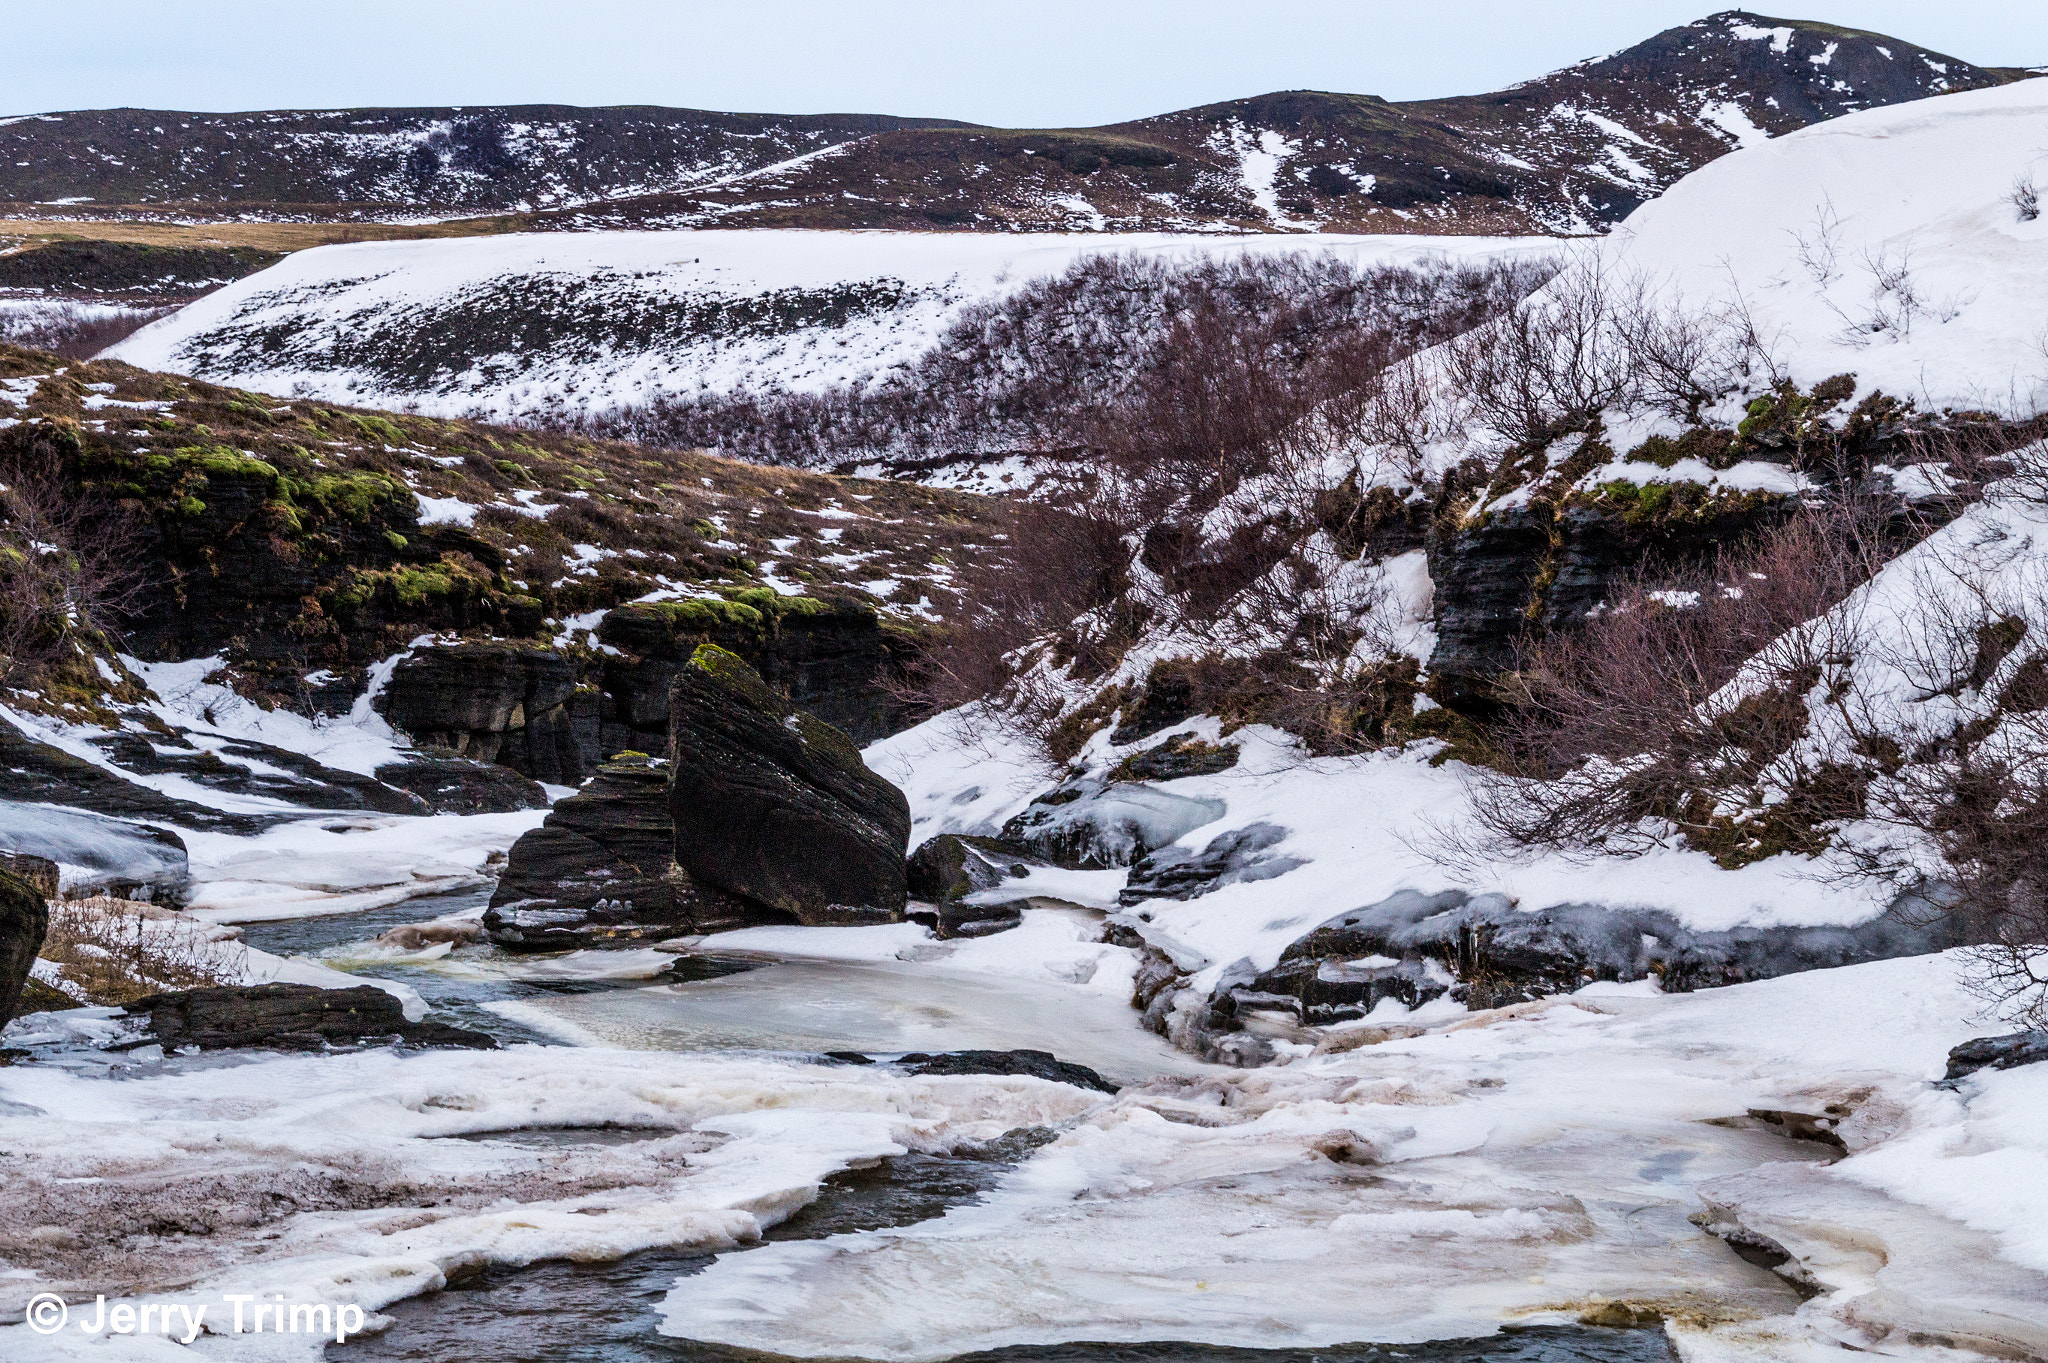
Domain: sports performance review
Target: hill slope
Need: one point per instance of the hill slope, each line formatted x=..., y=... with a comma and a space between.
x=1571, y=151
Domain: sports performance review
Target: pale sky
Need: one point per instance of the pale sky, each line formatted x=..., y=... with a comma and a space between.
x=1046, y=63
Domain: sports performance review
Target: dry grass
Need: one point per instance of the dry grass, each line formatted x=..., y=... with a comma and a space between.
x=20, y=233
x=114, y=951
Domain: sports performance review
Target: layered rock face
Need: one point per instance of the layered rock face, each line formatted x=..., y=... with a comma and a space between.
x=24, y=919
x=829, y=658
x=601, y=872
x=519, y=705
x=775, y=805
x=291, y=1017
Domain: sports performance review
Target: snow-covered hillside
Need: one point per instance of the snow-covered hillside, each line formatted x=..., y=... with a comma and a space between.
x=1895, y=244
x=592, y=320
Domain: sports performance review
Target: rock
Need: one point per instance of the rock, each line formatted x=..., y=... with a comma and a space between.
x=1178, y=756
x=34, y=772
x=775, y=805
x=1484, y=576
x=459, y=932
x=951, y=865
x=451, y=784
x=1092, y=824
x=1998, y=1053
x=959, y=918
x=238, y=766
x=518, y=705
x=1168, y=700
x=293, y=1017
x=107, y=856
x=24, y=918
x=1229, y=858
x=1487, y=952
x=600, y=871
x=39, y=872
x=832, y=659
x=1036, y=1064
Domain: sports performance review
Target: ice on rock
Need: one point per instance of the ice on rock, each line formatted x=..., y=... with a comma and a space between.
x=97, y=854
x=1092, y=824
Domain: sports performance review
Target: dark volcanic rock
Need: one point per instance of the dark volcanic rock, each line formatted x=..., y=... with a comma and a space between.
x=776, y=805
x=1484, y=950
x=1036, y=1064
x=1998, y=1053
x=1169, y=698
x=831, y=662
x=449, y=784
x=24, y=918
x=1184, y=873
x=959, y=918
x=239, y=767
x=33, y=772
x=951, y=865
x=1180, y=755
x=41, y=873
x=295, y=1017
x=1092, y=824
x=519, y=705
x=1484, y=579
x=601, y=872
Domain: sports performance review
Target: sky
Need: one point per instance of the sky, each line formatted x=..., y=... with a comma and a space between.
x=1050, y=63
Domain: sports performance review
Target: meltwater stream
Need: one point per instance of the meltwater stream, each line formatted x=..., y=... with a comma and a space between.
x=569, y=1312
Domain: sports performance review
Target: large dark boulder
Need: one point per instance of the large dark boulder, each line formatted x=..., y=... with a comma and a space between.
x=519, y=705
x=292, y=1017
x=952, y=865
x=601, y=872
x=775, y=805
x=24, y=918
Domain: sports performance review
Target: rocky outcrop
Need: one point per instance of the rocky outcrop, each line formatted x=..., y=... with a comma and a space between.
x=1175, y=757
x=1092, y=824
x=41, y=873
x=952, y=865
x=1507, y=570
x=1998, y=1053
x=1035, y=1064
x=450, y=784
x=774, y=805
x=24, y=919
x=519, y=705
x=1187, y=873
x=830, y=658
x=601, y=872
x=107, y=856
x=292, y=1017
x=1485, y=951
x=957, y=918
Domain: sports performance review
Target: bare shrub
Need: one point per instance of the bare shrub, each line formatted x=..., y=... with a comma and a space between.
x=68, y=571
x=1667, y=708
x=2025, y=197
x=114, y=951
x=74, y=331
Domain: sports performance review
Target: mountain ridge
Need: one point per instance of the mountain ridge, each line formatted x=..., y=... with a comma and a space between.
x=1572, y=151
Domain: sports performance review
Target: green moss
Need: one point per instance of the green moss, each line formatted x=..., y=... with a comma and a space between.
x=731, y=672
x=378, y=429
x=709, y=614
x=395, y=540
x=352, y=496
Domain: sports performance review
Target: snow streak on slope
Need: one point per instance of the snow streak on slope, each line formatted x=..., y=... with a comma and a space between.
x=592, y=320
x=1885, y=244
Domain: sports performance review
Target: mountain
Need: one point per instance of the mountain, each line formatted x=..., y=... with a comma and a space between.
x=1573, y=151
x=391, y=162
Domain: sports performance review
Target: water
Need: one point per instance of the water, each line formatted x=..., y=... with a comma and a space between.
x=564, y=1312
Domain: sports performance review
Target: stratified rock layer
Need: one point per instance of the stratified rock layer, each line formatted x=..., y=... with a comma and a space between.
x=775, y=805
x=24, y=918
x=601, y=872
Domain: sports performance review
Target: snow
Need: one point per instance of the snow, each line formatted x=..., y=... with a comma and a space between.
x=1518, y=1166
x=359, y=742
x=1363, y=828
x=1918, y=276
x=346, y=864
x=346, y=295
